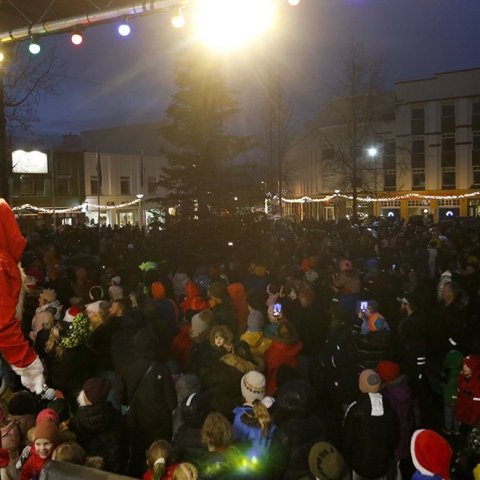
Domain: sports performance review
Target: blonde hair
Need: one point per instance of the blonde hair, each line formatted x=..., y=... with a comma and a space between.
x=158, y=456
x=53, y=344
x=262, y=415
x=185, y=471
x=216, y=431
x=70, y=452
x=47, y=320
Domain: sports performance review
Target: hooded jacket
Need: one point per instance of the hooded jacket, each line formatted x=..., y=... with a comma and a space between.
x=238, y=295
x=13, y=345
x=467, y=408
x=280, y=353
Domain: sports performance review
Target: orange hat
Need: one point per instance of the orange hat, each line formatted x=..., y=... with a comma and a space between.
x=158, y=291
x=46, y=429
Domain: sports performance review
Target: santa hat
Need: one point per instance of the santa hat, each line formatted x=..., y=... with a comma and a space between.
x=431, y=454
x=70, y=314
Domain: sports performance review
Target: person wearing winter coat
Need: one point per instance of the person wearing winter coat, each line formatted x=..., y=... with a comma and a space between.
x=238, y=296
x=347, y=283
x=187, y=441
x=13, y=345
x=298, y=428
x=283, y=351
x=146, y=386
x=100, y=428
x=202, y=324
x=193, y=299
x=370, y=431
x=451, y=371
x=221, y=378
x=252, y=424
x=396, y=391
x=467, y=408
x=431, y=456
x=221, y=305
x=46, y=438
x=47, y=300
x=255, y=337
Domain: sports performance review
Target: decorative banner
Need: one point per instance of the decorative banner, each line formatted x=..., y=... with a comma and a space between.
x=83, y=207
x=369, y=199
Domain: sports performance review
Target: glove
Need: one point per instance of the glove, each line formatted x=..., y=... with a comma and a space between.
x=32, y=376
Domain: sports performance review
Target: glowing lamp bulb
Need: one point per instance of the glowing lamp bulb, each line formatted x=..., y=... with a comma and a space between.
x=124, y=29
x=77, y=39
x=178, y=21
x=372, y=151
x=34, y=48
x=293, y=3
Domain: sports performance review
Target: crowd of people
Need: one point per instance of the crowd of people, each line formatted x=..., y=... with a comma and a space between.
x=299, y=351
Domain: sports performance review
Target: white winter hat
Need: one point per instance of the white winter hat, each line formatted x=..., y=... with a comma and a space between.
x=253, y=386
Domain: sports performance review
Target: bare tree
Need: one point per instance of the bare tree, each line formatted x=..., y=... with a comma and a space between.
x=354, y=118
x=24, y=80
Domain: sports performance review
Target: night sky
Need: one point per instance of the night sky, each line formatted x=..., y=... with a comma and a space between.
x=112, y=80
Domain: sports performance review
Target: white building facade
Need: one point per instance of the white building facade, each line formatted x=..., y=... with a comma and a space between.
x=428, y=158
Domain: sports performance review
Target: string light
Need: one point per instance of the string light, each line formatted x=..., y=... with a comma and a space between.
x=34, y=47
x=84, y=206
x=368, y=199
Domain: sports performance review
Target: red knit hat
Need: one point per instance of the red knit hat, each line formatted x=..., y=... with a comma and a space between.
x=431, y=453
x=388, y=370
x=47, y=414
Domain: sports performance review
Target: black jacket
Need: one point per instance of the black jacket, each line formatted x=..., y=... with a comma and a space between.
x=370, y=441
x=147, y=387
x=100, y=430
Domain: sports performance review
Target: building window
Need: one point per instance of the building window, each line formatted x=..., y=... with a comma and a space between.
x=62, y=167
x=27, y=185
x=124, y=185
x=418, y=154
x=448, y=118
x=151, y=185
x=417, y=122
x=476, y=116
x=389, y=180
x=476, y=176
x=476, y=148
x=448, y=178
x=94, y=186
x=389, y=159
x=418, y=179
x=448, y=151
x=62, y=185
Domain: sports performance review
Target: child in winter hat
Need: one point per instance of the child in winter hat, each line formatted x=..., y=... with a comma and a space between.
x=45, y=441
x=431, y=455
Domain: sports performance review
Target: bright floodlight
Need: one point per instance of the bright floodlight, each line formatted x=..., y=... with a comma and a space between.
x=294, y=3
x=77, y=38
x=2, y=56
x=34, y=47
x=178, y=21
x=372, y=151
x=225, y=25
x=124, y=29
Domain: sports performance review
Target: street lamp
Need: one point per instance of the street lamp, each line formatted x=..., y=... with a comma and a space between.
x=373, y=153
x=140, y=212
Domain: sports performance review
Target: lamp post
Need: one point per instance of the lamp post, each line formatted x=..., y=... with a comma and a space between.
x=140, y=211
x=373, y=153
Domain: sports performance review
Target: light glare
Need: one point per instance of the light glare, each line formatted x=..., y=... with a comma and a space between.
x=77, y=39
x=372, y=152
x=34, y=48
x=2, y=56
x=293, y=3
x=124, y=29
x=178, y=21
x=225, y=25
